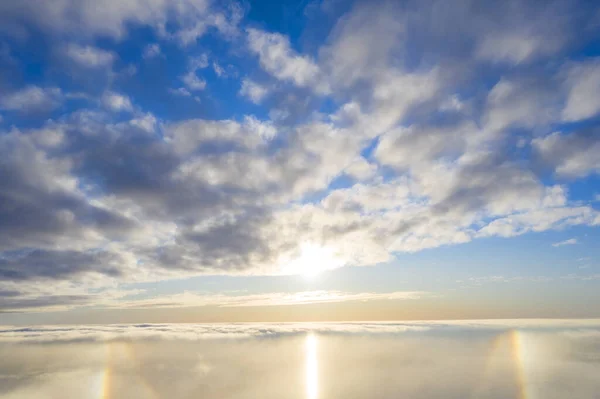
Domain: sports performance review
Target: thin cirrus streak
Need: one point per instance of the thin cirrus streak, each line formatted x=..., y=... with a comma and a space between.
x=266, y=299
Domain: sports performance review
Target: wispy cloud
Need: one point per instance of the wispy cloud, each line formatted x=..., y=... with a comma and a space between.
x=570, y=241
x=266, y=299
x=538, y=279
x=90, y=57
x=505, y=279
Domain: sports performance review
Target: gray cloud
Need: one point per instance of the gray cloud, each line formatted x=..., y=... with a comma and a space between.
x=571, y=155
x=39, y=264
x=41, y=205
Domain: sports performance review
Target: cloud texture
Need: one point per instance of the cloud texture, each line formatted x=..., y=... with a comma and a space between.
x=445, y=124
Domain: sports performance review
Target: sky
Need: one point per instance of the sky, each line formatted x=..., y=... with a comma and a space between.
x=201, y=161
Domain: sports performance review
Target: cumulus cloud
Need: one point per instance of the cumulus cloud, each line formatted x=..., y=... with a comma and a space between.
x=116, y=102
x=190, y=78
x=253, y=91
x=403, y=130
x=278, y=58
x=32, y=99
x=192, y=18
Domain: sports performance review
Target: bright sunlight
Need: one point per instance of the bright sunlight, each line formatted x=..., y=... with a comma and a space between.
x=314, y=259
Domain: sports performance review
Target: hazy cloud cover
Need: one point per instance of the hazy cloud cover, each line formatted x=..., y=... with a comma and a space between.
x=408, y=125
x=526, y=359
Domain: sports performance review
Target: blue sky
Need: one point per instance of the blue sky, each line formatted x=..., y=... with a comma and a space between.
x=193, y=154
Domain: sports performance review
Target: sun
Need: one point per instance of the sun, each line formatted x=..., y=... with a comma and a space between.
x=313, y=259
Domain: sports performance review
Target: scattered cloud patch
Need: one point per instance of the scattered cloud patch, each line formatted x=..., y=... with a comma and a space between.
x=571, y=155
x=278, y=58
x=570, y=241
x=32, y=99
x=191, y=79
x=253, y=91
x=410, y=126
x=151, y=51
x=90, y=57
x=116, y=102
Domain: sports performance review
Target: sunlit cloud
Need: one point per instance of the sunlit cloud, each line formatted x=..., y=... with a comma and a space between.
x=266, y=299
x=219, y=145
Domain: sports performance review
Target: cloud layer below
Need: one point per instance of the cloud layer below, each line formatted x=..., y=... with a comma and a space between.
x=516, y=359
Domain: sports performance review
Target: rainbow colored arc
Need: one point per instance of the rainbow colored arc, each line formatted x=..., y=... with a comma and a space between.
x=114, y=351
x=510, y=343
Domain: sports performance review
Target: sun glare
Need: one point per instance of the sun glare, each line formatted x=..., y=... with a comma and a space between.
x=312, y=367
x=313, y=260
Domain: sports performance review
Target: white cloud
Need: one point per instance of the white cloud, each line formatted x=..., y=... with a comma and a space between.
x=541, y=220
x=265, y=299
x=521, y=103
x=32, y=99
x=570, y=241
x=219, y=70
x=186, y=137
x=116, y=102
x=199, y=62
x=193, y=82
x=361, y=169
x=413, y=146
x=253, y=91
x=505, y=279
x=583, y=86
x=571, y=155
x=190, y=78
x=96, y=195
x=190, y=331
x=189, y=19
x=278, y=58
x=362, y=44
x=90, y=57
x=181, y=91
